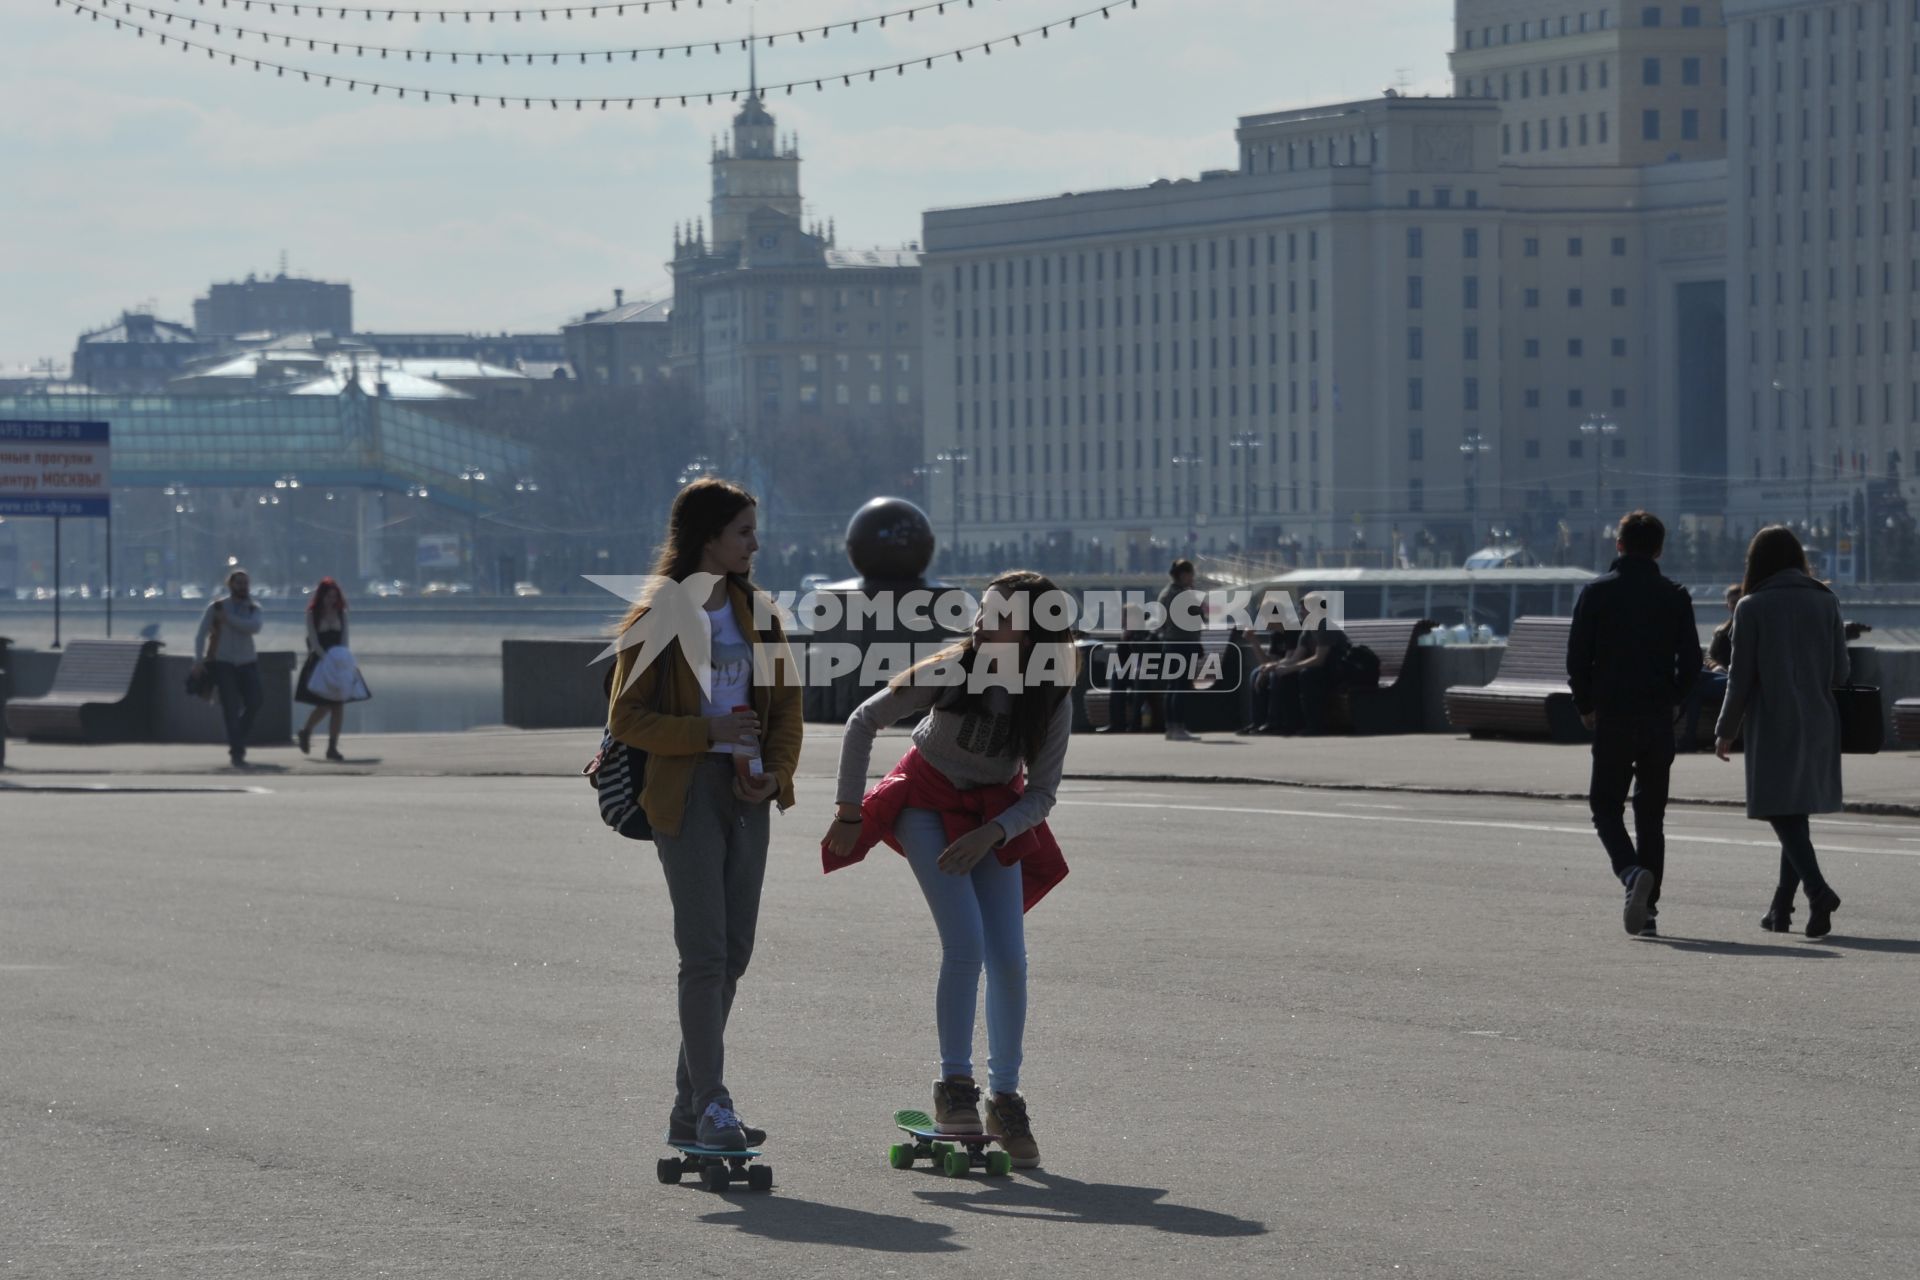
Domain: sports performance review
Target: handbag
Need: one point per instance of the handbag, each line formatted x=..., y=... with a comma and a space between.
x=336, y=677
x=1862, y=730
x=200, y=681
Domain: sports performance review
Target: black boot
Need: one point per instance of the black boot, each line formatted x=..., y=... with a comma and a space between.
x=1779, y=917
x=1820, y=915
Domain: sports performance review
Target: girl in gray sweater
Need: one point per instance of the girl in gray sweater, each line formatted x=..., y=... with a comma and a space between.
x=967, y=807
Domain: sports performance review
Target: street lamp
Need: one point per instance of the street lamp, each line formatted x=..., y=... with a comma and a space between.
x=181, y=499
x=1471, y=447
x=1247, y=445
x=1599, y=428
x=954, y=459
x=473, y=476
x=1191, y=462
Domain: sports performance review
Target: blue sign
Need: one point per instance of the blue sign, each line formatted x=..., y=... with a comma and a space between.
x=59, y=469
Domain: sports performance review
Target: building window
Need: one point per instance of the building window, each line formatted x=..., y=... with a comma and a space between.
x=1533, y=449
x=1470, y=292
x=1470, y=241
x=1530, y=298
x=1650, y=125
x=1619, y=246
x=1530, y=246
x=1416, y=495
x=1650, y=71
x=1531, y=397
x=1416, y=344
x=1416, y=444
x=1416, y=394
x=1689, y=71
x=1689, y=125
x=1575, y=247
x=1575, y=297
x=1530, y=348
x=1650, y=16
x=1416, y=244
x=1416, y=292
x=1618, y=297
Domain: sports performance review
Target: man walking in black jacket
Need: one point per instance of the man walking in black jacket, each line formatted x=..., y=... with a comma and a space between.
x=1632, y=655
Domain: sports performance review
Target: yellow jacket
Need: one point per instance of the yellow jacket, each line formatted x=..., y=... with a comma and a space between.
x=667, y=724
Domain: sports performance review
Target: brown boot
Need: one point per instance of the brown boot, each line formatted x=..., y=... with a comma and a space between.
x=956, y=1105
x=1007, y=1121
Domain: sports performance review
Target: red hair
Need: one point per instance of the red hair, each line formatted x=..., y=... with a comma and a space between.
x=313, y=600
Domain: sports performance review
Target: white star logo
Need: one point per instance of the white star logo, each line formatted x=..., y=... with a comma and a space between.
x=675, y=611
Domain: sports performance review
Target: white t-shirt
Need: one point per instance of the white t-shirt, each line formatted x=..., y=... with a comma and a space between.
x=732, y=684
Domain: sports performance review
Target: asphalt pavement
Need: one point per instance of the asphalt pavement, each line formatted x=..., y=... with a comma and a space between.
x=288, y=1024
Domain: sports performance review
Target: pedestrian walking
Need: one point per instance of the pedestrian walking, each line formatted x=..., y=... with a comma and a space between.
x=224, y=646
x=1789, y=655
x=1712, y=681
x=1183, y=624
x=326, y=630
x=967, y=806
x=1632, y=654
x=718, y=752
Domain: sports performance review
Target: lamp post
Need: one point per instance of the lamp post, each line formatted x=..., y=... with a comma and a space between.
x=1471, y=447
x=1599, y=429
x=181, y=499
x=1246, y=445
x=953, y=460
x=526, y=487
x=1190, y=462
x=473, y=476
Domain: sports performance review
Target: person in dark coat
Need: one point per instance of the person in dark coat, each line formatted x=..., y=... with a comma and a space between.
x=1712, y=681
x=1632, y=654
x=1789, y=654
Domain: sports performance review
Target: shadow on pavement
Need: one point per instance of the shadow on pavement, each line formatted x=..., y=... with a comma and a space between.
x=1713, y=946
x=1894, y=946
x=777, y=1217
x=1042, y=1196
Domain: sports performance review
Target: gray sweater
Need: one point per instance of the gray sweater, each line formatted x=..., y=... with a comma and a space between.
x=972, y=748
x=240, y=622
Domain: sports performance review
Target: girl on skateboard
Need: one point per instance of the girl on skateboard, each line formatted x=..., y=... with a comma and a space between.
x=709, y=815
x=967, y=807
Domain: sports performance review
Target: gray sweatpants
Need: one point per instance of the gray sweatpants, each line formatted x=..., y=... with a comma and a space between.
x=714, y=869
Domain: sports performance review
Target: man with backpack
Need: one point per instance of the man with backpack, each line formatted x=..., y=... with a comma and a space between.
x=1307, y=679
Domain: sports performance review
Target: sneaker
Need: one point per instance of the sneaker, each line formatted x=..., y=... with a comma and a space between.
x=682, y=1126
x=238, y=758
x=719, y=1128
x=1651, y=929
x=334, y=755
x=1007, y=1122
x=1177, y=734
x=1639, y=898
x=956, y=1105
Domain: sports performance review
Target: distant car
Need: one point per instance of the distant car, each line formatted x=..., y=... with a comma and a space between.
x=460, y=588
x=153, y=593
x=387, y=590
x=437, y=589
x=192, y=591
x=813, y=582
x=524, y=589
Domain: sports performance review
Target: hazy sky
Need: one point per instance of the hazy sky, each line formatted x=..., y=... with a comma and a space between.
x=136, y=175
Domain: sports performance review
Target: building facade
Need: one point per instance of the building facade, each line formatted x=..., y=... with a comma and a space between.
x=778, y=328
x=140, y=353
x=1824, y=261
x=280, y=305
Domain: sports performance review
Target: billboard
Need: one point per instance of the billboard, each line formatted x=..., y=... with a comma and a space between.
x=55, y=469
x=439, y=551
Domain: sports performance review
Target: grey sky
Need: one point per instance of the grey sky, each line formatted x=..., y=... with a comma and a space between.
x=136, y=174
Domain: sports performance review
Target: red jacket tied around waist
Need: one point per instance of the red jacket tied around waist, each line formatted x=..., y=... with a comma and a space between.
x=915, y=784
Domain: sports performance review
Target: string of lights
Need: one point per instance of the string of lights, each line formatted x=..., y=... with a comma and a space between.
x=1016, y=39
x=543, y=13
x=360, y=49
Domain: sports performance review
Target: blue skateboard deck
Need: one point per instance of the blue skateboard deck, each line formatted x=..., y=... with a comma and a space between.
x=716, y=1168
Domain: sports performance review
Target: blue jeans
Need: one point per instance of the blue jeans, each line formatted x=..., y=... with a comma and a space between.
x=240, y=698
x=979, y=919
x=1707, y=683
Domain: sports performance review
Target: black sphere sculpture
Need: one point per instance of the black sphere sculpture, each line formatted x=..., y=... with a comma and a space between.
x=890, y=542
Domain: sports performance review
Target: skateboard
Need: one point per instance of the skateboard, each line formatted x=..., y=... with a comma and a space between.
x=953, y=1154
x=717, y=1169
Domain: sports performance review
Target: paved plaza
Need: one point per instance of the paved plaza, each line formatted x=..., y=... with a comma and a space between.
x=413, y=1017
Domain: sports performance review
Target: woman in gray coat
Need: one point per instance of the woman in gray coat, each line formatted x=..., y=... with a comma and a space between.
x=1789, y=654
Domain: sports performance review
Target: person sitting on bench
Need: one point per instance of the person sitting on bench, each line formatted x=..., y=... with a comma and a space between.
x=1265, y=684
x=1306, y=681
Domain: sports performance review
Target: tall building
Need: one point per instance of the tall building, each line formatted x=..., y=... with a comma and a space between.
x=1824, y=260
x=139, y=353
x=1374, y=327
x=627, y=345
x=774, y=325
x=280, y=305
x=1584, y=84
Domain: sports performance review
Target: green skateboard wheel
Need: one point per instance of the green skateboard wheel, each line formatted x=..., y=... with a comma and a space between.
x=900, y=1155
x=957, y=1163
x=999, y=1164
x=941, y=1150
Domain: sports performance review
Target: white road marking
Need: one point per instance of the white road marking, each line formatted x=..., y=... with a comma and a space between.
x=1480, y=823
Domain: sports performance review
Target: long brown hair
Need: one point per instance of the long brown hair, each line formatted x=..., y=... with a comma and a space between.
x=1773, y=548
x=1034, y=705
x=701, y=512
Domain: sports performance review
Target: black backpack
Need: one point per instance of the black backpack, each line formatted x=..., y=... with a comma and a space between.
x=618, y=773
x=1361, y=669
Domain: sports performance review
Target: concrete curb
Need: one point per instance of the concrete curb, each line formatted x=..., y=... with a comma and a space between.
x=1871, y=808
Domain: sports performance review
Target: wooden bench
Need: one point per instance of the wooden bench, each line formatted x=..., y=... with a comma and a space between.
x=1906, y=721
x=101, y=693
x=1529, y=695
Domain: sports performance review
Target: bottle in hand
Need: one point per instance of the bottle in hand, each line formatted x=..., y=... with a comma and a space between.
x=746, y=757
